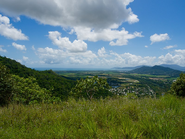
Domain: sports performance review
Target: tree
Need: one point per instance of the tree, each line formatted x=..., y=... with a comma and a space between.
x=6, y=85
x=178, y=87
x=89, y=87
x=27, y=91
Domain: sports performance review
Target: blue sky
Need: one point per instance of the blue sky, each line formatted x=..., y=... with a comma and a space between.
x=92, y=33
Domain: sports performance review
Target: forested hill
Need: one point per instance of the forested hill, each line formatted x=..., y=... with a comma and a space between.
x=157, y=70
x=46, y=79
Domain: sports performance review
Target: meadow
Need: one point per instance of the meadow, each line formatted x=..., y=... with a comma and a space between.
x=118, y=118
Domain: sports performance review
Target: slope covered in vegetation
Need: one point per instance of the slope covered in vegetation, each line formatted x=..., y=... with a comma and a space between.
x=59, y=85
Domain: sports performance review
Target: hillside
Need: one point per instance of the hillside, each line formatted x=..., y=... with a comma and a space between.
x=172, y=66
x=46, y=79
x=157, y=70
x=175, y=67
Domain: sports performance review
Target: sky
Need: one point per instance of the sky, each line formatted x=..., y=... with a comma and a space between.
x=93, y=33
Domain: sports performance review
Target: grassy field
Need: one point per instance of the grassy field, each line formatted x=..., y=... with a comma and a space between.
x=116, y=118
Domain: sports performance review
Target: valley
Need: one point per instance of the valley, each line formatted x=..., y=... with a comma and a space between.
x=55, y=104
x=124, y=82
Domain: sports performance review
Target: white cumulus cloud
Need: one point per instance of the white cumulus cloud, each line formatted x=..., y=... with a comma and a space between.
x=125, y=60
x=50, y=55
x=65, y=43
x=7, y=30
x=103, y=58
x=17, y=19
x=158, y=38
x=170, y=47
x=133, y=60
x=86, y=58
x=72, y=52
x=57, y=56
x=116, y=37
x=180, y=52
x=1, y=49
x=18, y=46
x=25, y=58
x=102, y=52
x=177, y=57
x=96, y=14
x=132, y=18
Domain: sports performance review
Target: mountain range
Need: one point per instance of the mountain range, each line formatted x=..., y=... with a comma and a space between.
x=156, y=70
x=172, y=66
x=175, y=67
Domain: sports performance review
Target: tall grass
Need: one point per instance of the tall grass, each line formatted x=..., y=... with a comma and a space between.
x=115, y=118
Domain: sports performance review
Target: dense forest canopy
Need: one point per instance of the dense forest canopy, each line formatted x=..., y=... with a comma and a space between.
x=59, y=85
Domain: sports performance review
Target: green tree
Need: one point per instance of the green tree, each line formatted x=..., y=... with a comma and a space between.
x=27, y=91
x=89, y=87
x=178, y=87
x=6, y=85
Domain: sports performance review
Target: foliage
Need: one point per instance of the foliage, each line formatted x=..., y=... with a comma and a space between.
x=6, y=85
x=178, y=87
x=120, y=117
x=27, y=91
x=89, y=87
x=46, y=79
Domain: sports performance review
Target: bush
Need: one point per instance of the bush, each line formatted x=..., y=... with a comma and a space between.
x=90, y=87
x=178, y=87
x=27, y=91
x=6, y=85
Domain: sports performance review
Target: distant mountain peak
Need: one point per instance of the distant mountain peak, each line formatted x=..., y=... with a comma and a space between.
x=157, y=70
x=173, y=66
x=129, y=68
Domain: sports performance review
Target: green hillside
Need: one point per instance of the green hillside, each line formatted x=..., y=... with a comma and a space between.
x=157, y=70
x=46, y=79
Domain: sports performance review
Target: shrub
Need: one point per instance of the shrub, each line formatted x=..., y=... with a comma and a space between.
x=6, y=85
x=27, y=91
x=178, y=87
x=90, y=87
